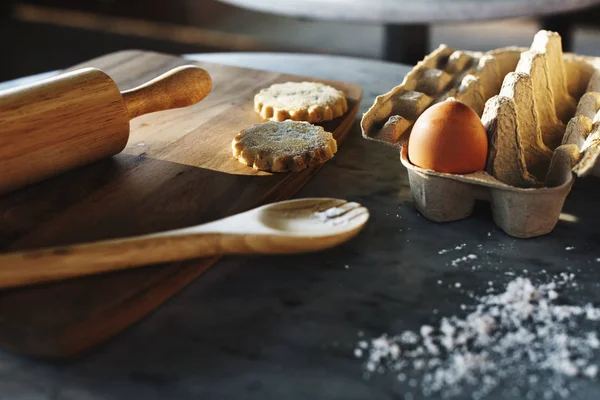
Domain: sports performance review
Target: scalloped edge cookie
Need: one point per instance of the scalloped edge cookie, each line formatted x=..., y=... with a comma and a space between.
x=283, y=146
x=300, y=101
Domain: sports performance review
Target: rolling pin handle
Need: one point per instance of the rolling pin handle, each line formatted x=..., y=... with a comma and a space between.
x=180, y=87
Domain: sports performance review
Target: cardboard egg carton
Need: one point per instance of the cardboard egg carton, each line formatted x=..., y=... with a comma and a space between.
x=540, y=108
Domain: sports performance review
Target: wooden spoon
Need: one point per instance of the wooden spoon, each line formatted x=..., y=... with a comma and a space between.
x=294, y=226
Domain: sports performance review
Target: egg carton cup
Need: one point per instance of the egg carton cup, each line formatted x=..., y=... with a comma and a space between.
x=540, y=108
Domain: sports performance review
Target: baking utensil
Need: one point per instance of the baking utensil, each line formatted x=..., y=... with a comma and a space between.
x=293, y=226
x=79, y=117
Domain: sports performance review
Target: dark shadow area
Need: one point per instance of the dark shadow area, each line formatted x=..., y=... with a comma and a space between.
x=44, y=47
x=100, y=201
x=42, y=35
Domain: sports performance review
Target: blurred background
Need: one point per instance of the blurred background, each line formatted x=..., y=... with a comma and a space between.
x=41, y=35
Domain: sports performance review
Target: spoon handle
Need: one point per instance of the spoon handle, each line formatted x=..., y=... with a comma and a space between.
x=55, y=263
x=180, y=87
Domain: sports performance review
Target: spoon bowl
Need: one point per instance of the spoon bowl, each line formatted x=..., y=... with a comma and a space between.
x=313, y=217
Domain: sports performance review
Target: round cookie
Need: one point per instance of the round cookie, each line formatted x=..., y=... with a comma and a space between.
x=300, y=101
x=283, y=146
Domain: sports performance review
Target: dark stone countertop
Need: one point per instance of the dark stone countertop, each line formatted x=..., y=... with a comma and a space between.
x=285, y=327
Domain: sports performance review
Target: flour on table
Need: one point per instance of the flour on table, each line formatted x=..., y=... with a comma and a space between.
x=469, y=257
x=455, y=248
x=526, y=336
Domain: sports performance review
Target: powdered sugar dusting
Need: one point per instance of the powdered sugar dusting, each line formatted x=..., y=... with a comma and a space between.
x=528, y=332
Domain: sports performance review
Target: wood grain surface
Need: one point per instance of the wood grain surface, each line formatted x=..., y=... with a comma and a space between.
x=176, y=171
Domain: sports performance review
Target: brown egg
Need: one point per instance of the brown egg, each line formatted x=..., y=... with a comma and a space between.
x=448, y=137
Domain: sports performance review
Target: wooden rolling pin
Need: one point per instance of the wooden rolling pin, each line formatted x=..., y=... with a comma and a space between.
x=80, y=117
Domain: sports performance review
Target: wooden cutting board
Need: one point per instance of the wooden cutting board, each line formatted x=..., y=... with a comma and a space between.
x=176, y=171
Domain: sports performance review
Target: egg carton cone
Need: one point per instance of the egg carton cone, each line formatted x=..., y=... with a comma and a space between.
x=540, y=108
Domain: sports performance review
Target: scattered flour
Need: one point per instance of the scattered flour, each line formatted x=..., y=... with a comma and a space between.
x=330, y=215
x=569, y=248
x=455, y=248
x=526, y=336
x=469, y=257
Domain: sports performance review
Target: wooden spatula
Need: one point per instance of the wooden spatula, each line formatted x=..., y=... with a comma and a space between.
x=294, y=226
x=80, y=117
